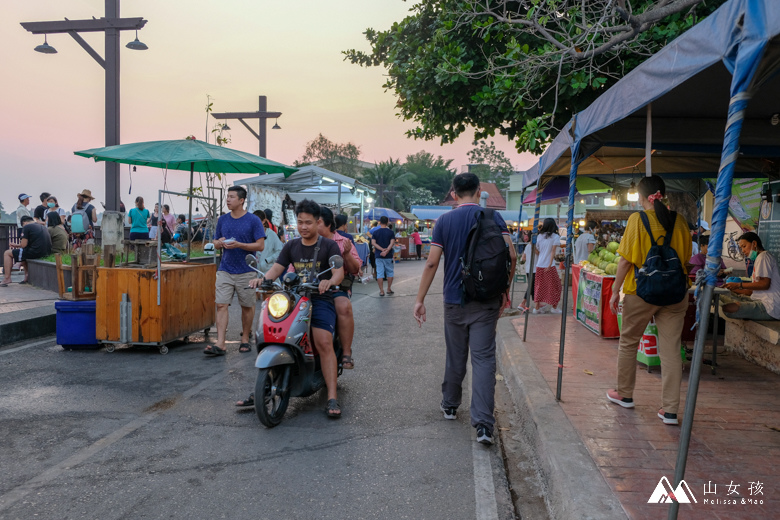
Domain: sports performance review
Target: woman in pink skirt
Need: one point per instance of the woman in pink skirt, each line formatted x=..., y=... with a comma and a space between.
x=547, y=283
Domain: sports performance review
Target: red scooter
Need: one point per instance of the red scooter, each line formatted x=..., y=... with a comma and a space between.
x=287, y=360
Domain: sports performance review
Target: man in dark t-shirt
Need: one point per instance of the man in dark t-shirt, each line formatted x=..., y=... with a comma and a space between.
x=299, y=253
x=35, y=243
x=40, y=211
x=383, y=241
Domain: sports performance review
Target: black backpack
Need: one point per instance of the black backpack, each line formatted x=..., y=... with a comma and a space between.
x=661, y=280
x=485, y=263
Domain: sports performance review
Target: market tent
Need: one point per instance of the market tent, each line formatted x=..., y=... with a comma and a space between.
x=377, y=213
x=722, y=73
x=430, y=212
x=558, y=188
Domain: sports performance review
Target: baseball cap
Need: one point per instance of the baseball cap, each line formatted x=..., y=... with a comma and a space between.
x=23, y=196
x=704, y=225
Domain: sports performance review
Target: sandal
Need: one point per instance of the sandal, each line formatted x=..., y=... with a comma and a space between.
x=249, y=401
x=24, y=282
x=381, y=294
x=213, y=350
x=347, y=362
x=333, y=410
x=390, y=292
x=245, y=347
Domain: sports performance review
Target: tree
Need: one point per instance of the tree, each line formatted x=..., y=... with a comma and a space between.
x=341, y=158
x=389, y=176
x=517, y=67
x=431, y=173
x=421, y=197
x=492, y=165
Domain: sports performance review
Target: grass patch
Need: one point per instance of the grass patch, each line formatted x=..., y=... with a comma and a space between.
x=66, y=257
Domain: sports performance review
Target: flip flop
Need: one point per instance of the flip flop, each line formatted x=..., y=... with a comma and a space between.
x=347, y=360
x=3, y=284
x=213, y=350
x=245, y=347
x=333, y=411
x=249, y=401
x=381, y=294
x=24, y=282
x=390, y=292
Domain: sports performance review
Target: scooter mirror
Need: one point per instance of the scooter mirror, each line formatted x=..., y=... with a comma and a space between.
x=251, y=261
x=336, y=262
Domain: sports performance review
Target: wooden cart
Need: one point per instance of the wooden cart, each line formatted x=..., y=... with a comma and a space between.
x=127, y=311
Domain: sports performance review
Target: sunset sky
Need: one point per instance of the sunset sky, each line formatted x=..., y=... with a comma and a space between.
x=233, y=51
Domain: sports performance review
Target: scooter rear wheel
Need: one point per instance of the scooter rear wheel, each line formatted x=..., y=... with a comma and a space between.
x=270, y=401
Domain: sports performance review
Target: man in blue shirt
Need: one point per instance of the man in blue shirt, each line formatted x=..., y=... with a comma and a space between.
x=383, y=241
x=468, y=325
x=239, y=232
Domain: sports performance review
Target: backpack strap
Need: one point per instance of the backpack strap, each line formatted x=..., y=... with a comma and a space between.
x=646, y=222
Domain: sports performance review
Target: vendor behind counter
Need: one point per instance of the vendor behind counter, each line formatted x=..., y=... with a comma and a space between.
x=763, y=290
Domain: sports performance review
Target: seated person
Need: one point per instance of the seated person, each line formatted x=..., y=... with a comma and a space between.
x=299, y=253
x=181, y=232
x=57, y=232
x=35, y=243
x=763, y=290
x=697, y=261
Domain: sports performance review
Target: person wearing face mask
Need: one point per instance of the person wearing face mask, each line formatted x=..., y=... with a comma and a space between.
x=52, y=206
x=764, y=288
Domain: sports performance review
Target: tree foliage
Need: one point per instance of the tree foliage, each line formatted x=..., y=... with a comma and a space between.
x=517, y=67
x=421, y=197
x=341, y=158
x=490, y=164
x=431, y=173
x=388, y=177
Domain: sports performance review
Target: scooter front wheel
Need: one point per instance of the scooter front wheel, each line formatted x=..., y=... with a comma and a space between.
x=270, y=400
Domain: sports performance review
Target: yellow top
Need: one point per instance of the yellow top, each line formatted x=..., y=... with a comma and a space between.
x=636, y=243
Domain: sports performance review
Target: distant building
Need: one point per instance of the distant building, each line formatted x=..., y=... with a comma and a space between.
x=495, y=200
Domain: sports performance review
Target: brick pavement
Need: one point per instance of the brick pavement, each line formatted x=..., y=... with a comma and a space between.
x=735, y=434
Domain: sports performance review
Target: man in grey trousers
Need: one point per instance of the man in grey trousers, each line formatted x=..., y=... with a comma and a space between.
x=468, y=325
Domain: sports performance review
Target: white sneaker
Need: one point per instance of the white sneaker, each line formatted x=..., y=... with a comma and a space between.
x=543, y=310
x=556, y=311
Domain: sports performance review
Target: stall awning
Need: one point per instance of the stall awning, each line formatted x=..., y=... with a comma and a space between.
x=313, y=179
x=430, y=212
x=408, y=216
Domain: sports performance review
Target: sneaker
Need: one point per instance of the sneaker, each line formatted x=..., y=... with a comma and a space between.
x=668, y=418
x=484, y=435
x=450, y=412
x=625, y=402
x=556, y=311
x=542, y=310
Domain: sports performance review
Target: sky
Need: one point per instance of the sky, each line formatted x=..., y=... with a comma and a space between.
x=232, y=51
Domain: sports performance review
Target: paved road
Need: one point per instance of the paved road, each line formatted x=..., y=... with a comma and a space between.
x=133, y=434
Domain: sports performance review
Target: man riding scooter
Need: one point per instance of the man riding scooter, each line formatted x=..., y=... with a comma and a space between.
x=345, y=320
x=300, y=253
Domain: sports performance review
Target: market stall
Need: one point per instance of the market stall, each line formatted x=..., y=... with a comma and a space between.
x=151, y=302
x=591, y=293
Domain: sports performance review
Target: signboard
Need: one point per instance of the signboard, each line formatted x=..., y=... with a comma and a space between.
x=588, y=307
x=769, y=223
x=745, y=202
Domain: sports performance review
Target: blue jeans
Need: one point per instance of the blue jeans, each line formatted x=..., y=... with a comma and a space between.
x=752, y=310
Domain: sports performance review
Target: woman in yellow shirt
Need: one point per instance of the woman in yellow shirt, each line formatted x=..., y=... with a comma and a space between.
x=637, y=313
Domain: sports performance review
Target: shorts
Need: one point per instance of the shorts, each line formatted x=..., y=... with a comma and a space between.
x=137, y=235
x=19, y=255
x=228, y=284
x=345, y=293
x=384, y=267
x=752, y=310
x=323, y=314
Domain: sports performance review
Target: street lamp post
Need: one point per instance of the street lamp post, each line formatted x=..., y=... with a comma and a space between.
x=111, y=25
x=262, y=114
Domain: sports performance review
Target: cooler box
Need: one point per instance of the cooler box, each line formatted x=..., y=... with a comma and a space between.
x=647, y=351
x=76, y=324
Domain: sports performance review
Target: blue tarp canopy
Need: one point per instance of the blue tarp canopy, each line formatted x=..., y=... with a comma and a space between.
x=688, y=84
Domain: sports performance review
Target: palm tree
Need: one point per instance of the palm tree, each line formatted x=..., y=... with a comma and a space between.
x=389, y=176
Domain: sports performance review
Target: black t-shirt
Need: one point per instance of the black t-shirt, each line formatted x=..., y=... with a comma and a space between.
x=300, y=256
x=39, y=211
x=383, y=237
x=38, y=241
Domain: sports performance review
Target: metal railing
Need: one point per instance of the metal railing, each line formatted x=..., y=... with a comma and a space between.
x=10, y=233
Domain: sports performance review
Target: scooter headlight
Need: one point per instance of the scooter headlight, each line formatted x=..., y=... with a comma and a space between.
x=278, y=305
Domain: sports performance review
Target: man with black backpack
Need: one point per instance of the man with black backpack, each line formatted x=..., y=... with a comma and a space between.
x=478, y=260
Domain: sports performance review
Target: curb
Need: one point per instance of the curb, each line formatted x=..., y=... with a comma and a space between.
x=575, y=487
x=20, y=325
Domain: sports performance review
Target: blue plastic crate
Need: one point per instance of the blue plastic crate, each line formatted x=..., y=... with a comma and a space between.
x=76, y=324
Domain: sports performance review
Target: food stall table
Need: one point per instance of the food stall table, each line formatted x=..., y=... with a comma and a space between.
x=127, y=310
x=591, y=293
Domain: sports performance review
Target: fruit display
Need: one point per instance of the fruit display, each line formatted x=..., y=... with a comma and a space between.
x=603, y=260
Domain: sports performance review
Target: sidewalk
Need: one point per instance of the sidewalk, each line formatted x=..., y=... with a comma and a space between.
x=25, y=311
x=585, y=442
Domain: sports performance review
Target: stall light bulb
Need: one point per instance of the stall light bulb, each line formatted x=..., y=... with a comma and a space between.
x=582, y=223
x=632, y=196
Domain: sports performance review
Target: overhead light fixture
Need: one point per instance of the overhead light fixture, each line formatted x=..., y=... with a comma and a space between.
x=276, y=126
x=369, y=199
x=611, y=201
x=583, y=223
x=327, y=179
x=137, y=45
x=359, y=190
x=45, y=48
x=225, y=127
x=633, y=195
x=582, y=201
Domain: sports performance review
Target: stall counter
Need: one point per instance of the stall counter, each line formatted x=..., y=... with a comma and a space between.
x=591, y=293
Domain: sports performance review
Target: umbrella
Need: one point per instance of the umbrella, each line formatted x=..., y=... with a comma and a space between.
x=187, y=154
x=382, y=212
x=558, y=188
